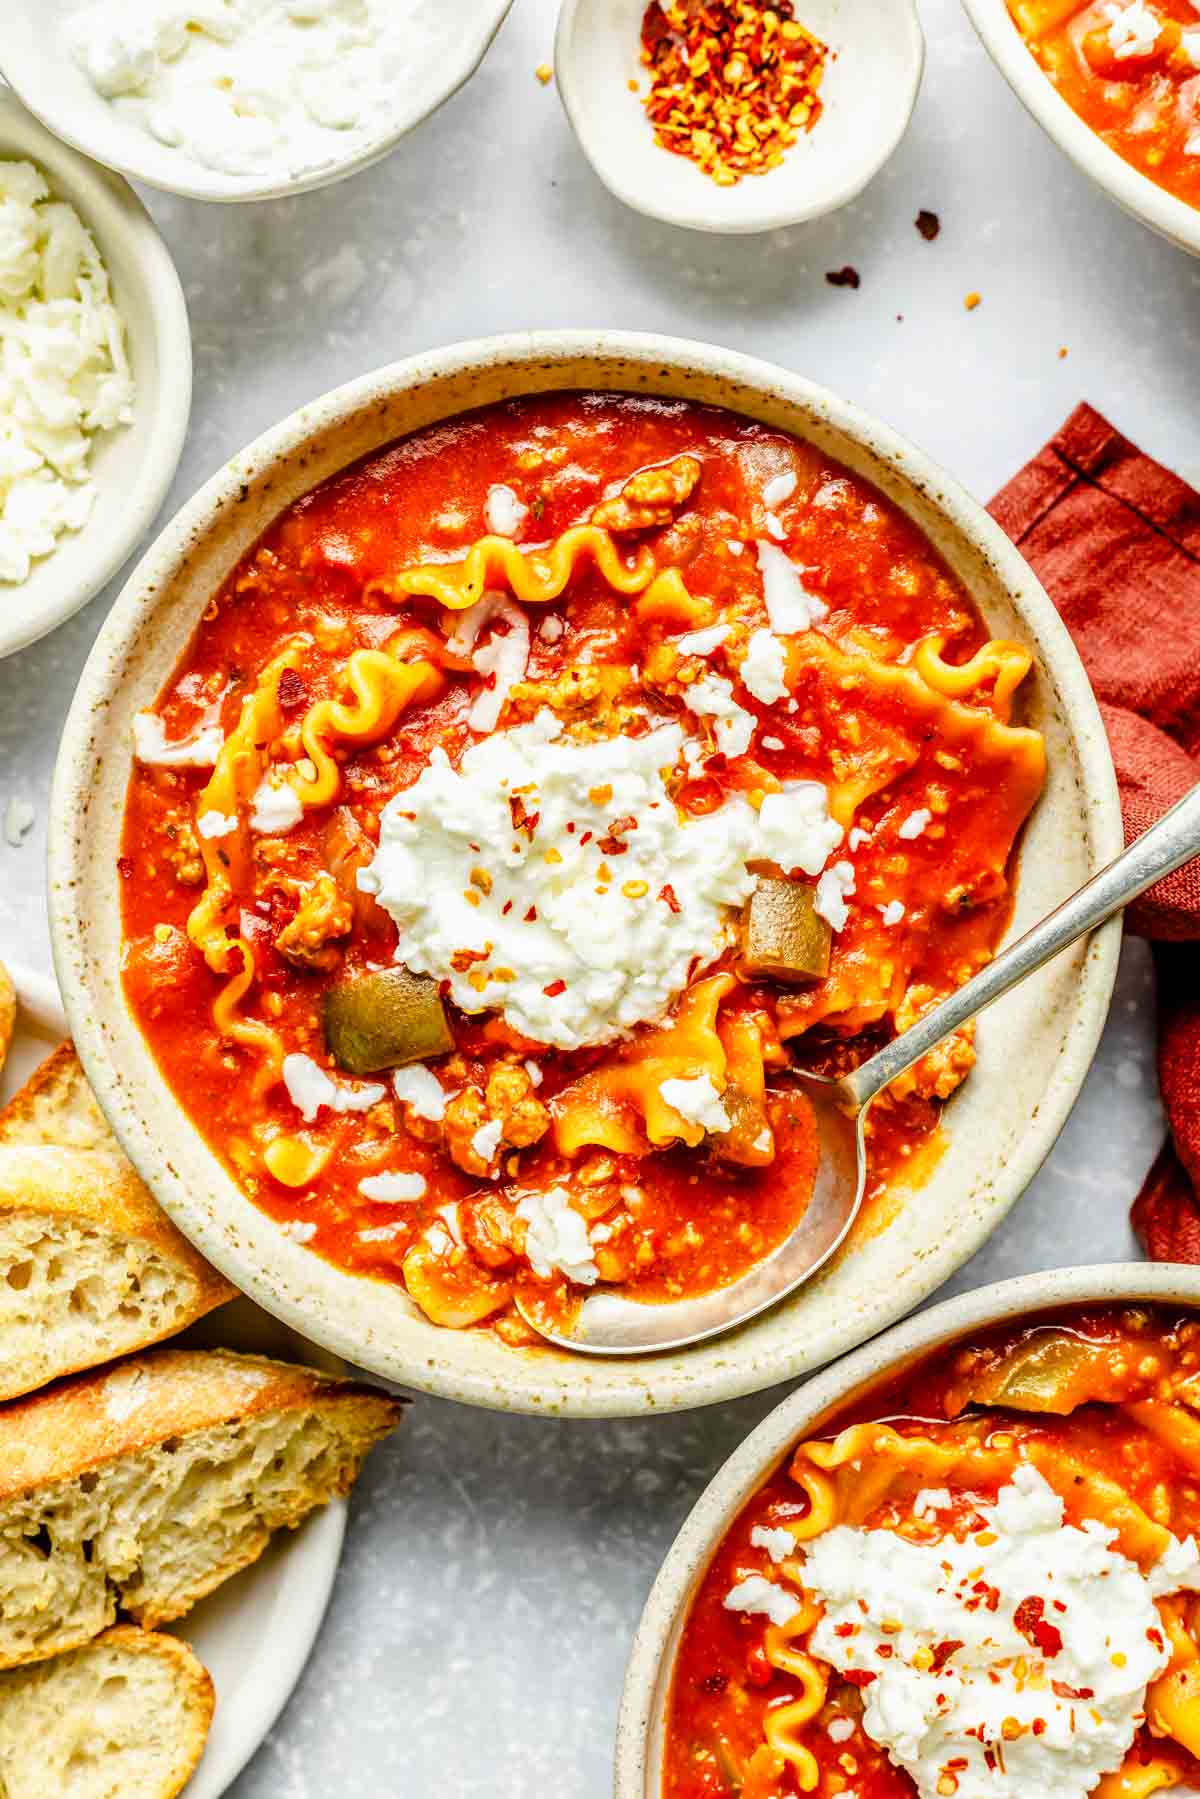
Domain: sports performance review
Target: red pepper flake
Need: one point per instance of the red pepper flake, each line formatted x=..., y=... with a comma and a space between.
x=928, y=224
x=859, y=1677
x=844, y=277
x=291, y=691
x=530, y=916
x=1063, y=1691
x=1038, y=1727
x=845, y=1630
x=554, y=989
x=1029, y=1619
x=942, y=1653
x=732, y=82
x=1155, y=1638
x=667, y=894
x=521, y=819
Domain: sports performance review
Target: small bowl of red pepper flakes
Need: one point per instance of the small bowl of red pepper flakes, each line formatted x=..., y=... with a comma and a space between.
x=738, y=115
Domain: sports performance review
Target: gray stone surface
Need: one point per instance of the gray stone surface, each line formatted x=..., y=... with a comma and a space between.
x=496, y=1567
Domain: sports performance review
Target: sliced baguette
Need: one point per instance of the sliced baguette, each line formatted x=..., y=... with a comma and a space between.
x=139, y=1488
x=90, y=1268
x=125, y=1717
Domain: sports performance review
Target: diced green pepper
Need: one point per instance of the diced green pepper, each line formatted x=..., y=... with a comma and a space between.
x=783, y=936
x=384, y=1020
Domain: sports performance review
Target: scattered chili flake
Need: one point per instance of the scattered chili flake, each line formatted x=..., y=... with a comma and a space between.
x=858, y=1677
x=732, y=82
x=942, y=1653
x=291, y=691
x=666, y=894
x=1029, y=1619
x=972, y=300
x=554, y=989
x=928, y=224
x=845, y=277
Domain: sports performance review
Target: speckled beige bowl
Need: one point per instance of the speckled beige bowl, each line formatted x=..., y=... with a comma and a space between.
x=651, y=1660
x=1035, y=1047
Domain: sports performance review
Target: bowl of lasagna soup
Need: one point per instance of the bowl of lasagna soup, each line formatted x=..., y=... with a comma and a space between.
x=963, y=1561
x=1116, y=84
x=494, y=782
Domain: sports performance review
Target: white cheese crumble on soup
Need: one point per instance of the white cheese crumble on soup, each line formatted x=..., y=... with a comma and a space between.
x=556, y=882
x=790, y=606
x=1021, y=1654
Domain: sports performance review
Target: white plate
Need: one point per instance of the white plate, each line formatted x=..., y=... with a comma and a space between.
x=255, y=1633
x=132, y=467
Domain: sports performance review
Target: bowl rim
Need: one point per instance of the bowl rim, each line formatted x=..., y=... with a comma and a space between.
x=754, y=218
x=1136, y=193
x=214, y=189
x=110, y=209
x=645, y=1685
x=543, y=1383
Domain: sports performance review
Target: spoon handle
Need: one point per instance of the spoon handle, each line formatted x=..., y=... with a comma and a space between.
x=1167, y=845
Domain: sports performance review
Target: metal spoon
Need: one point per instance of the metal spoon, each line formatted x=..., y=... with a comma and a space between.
x=610, y=1324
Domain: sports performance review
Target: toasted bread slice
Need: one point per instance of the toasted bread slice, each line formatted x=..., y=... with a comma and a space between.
x=57, y=1107
x=141, y=1487
x=125, y=1717
x=90, y=1267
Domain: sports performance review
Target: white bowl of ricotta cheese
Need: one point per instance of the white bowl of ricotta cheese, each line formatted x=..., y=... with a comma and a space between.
x=96, y=382
x=241, y=99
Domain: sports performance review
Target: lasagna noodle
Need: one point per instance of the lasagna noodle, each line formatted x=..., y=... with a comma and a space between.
x=380, y=687
x=535, y=576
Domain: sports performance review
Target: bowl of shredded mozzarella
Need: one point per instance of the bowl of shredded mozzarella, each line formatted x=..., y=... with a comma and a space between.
x=95, y=377
x=241, y=99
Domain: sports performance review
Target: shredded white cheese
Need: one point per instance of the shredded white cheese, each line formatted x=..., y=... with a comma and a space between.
x=556, y=1237
x=712, y=697
x=276, y=807
x=779, y=488
x=702, y=643
x=778, y=1542
x=486, y=1140
x=150, y=744
x=764, y=667
x=310, y=1088
x=419, y=1088
x=393, y=1189
x=64, y=372
x=504, y=514
x=697, y=1102
x=790, y=606
x=795, y=829
x=756, y=1594
x=504, y=658
x=833, y=889
x=1133, y=29
x=216, y=824
x=893, y=912
x=914, y=825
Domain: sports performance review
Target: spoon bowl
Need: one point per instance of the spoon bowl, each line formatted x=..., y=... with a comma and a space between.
x=877, y=53
x=610, y=1324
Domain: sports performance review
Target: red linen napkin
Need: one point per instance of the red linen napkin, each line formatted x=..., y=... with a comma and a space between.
x=1115, y=538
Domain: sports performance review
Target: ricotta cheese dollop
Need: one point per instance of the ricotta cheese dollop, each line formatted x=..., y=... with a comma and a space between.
x=556, y=882
x=64, y=373
x=252, y=86
x=1015, y=1662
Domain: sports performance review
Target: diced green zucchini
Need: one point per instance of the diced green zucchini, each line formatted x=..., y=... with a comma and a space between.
x=783, y=937
x=384, y=1020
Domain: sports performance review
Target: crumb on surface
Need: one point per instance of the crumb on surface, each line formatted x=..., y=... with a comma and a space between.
x=844, y=277
x=928, y=224
x=1062, y=352
x=972, y=300
x=544, y=73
